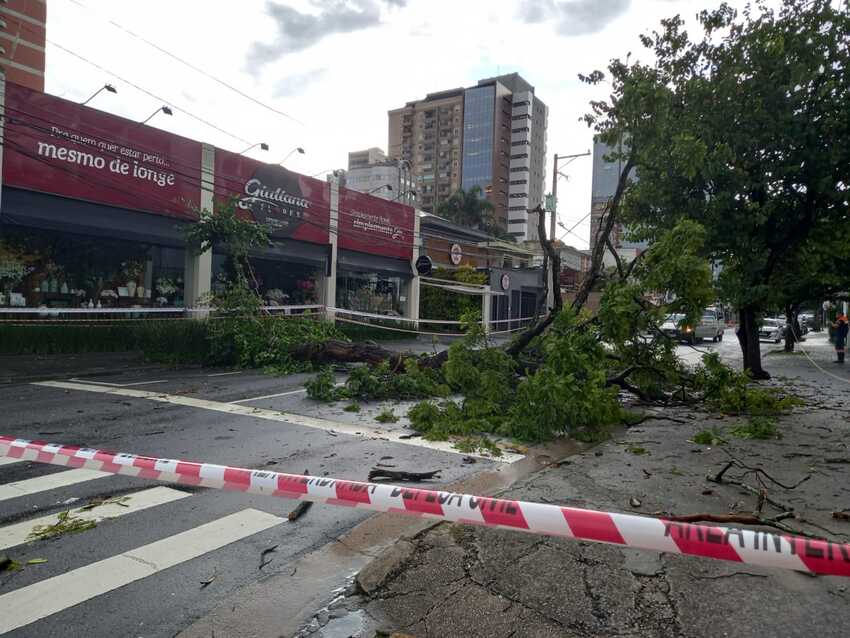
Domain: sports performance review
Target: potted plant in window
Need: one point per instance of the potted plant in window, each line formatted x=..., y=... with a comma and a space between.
x=13, y=269
x=132, y=270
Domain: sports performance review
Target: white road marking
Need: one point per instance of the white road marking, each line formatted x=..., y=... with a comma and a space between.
x=279, y=394
x=224, y=374
x=48, y=482
x=8, y=461
x=18, y=533
x=360, y=430
x=28, y=604
x=269, y=396
x=118, y=385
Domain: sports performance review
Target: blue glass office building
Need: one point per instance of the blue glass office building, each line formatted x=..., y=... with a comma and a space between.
x=478, y=114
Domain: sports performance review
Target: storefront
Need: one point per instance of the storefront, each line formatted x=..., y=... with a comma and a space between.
x=374, y=271
x=60, y=253
x=296, y=211
x=92, y=207
x=514, y=289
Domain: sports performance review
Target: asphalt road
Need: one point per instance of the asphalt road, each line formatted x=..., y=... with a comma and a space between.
x=142, y=570
x=111, y=580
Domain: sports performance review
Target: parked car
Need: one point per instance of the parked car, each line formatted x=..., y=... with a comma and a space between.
x=772, y=330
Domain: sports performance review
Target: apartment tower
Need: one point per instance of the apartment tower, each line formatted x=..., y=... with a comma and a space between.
x=492, y=135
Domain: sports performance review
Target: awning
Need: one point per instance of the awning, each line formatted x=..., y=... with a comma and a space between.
x=298, y=252
x=361, y=262
x=49, y=212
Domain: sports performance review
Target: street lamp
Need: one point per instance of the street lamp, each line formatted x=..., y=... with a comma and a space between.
x=289, y=154
x=164, y=109
x=410, y=192
x=389, y=187
x=263, y=146
x=105, y=87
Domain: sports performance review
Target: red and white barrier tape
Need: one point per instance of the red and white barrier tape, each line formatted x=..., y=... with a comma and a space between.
x=732, y=544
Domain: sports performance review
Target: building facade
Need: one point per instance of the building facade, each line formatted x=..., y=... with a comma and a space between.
x=371, y=172
x=492, y=136
x=606, y=175
x=22, y=41
x=515, y=283
x=425, y=136
x=93, y=221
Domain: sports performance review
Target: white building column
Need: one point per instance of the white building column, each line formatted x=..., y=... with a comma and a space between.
x=329, y=288
x=486, y=309
x=411, y=309
x=197, y=277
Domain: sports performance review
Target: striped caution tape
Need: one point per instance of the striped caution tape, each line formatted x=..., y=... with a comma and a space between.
x=732, y=544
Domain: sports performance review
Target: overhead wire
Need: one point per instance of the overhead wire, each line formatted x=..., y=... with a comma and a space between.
x=149, y=93
x=184, y=62
x=195, y=180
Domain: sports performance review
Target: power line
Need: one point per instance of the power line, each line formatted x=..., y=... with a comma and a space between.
x=191, y=66
x=193, y=179
x=149, y=93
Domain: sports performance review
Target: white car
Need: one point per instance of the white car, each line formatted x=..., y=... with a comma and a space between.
x=772, y=330
x=711, y=326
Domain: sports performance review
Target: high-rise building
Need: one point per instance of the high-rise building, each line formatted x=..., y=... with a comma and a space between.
x=362, y=159
x=492, y=135
x=426, y=136
x=606, y=175
x=371, y=172
x=22, y=41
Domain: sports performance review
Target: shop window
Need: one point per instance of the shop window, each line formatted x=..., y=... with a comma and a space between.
x=371, y=292
x=279, y=283
x=42, y=268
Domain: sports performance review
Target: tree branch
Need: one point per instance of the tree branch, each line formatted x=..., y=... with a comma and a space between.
x=598, y=253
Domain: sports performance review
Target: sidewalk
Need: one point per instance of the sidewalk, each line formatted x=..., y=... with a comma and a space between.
x=455, y=581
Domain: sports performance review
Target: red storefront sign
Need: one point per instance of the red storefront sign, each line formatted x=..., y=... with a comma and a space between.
x=290, y=205
x=59, y=147
x=373, y=225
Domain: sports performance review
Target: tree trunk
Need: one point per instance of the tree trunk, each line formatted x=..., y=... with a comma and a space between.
x=748, y=337
x=344, y=352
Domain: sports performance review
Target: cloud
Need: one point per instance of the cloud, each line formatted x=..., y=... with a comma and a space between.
x=573, y=17
x=297, y=83
x=297, y=31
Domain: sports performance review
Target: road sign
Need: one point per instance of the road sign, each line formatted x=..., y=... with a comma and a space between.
x=424, y=265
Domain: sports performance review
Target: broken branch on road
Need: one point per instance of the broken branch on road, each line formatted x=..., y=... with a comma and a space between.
x=393, y=475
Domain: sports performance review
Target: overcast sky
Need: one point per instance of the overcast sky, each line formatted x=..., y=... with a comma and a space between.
x=336, y=66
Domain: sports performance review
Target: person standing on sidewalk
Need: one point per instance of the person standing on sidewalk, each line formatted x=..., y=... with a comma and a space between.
x=841, y=328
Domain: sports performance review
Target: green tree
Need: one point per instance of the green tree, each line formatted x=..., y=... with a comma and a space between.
x=471, y=209
x=820, y=269
x=746, y=132
x=223, y=228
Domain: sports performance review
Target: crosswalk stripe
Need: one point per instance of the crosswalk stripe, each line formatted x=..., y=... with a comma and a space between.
x=28, y=604
x=48, y=482
x=18, y=533
x=7, y=461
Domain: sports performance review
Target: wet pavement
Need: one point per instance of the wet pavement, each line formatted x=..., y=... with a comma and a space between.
x=452, y=580
x=220, y=416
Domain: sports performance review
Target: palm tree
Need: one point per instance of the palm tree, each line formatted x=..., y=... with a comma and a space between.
x=467, y=208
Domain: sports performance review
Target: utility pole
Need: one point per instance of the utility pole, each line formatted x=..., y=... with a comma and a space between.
x=554, y=210
x=555, y=174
